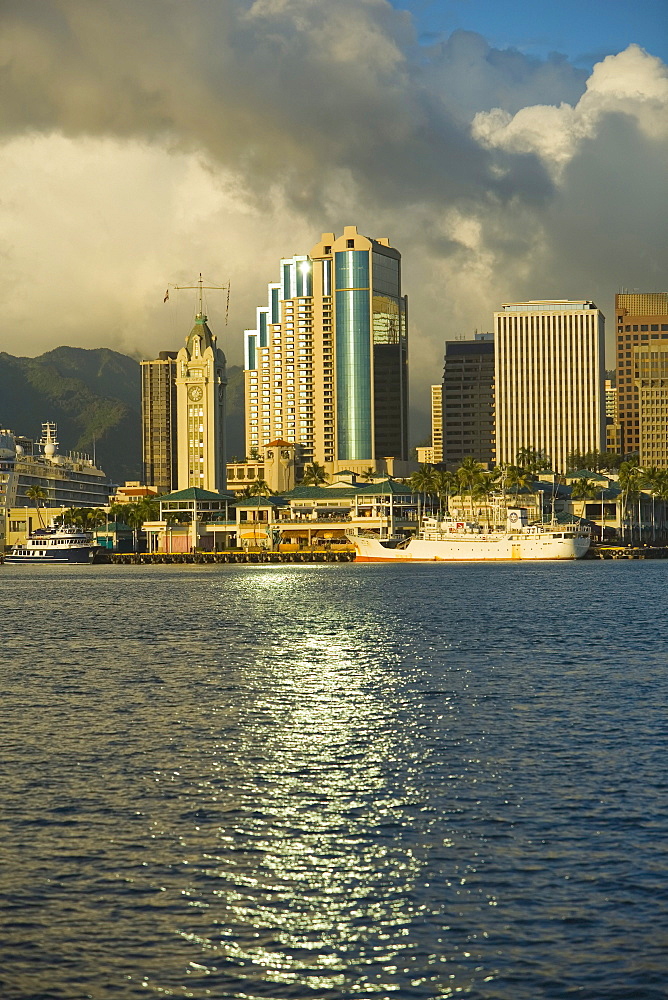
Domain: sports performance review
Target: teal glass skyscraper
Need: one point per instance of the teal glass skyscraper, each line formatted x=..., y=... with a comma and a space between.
x=327, y=364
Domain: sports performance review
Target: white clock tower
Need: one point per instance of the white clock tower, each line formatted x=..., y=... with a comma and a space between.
x=201, y=380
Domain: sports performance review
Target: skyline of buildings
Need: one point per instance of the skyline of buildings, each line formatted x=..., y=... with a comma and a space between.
x=326, y=374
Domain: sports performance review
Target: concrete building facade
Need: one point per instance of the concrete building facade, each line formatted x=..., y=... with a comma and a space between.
x=437, y=423
x=549, y=375
x=468, y=401
x=326, y=366
x=641, y=334
x=158, y=409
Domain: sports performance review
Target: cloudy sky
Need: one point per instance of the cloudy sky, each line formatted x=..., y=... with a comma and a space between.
x=509, y=150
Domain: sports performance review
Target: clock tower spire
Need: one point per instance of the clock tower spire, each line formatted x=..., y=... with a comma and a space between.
x=201, y=380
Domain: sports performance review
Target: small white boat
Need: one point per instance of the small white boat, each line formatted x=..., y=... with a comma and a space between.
x=54, y=545
x=448, y=540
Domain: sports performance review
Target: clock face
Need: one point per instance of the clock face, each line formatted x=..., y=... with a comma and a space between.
x=195, y=392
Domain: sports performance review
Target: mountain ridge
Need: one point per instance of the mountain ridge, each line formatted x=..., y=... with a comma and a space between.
x=94, y=397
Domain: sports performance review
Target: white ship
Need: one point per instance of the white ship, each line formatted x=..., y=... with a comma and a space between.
x=54, y=545
x=68, y=480
x=448, y=540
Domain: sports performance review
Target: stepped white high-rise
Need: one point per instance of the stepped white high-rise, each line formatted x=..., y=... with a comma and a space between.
x=326, y=365
x=549, y=375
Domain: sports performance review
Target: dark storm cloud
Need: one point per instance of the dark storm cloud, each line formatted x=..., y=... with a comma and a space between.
x=142, y=135
x=278, y=91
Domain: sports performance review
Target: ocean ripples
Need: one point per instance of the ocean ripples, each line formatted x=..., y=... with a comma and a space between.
x=334, y=782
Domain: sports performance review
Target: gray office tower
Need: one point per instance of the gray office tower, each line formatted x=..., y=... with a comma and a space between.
x=468, y=400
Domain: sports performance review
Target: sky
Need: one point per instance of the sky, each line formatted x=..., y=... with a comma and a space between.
x=509, y=150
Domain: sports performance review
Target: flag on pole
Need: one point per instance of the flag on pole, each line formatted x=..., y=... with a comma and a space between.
x=166, y=295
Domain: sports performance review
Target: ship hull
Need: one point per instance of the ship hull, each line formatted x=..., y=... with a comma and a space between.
x=481, y=548
x=41, y=557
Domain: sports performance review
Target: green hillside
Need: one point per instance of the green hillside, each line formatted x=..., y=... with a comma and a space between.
x=94, y=396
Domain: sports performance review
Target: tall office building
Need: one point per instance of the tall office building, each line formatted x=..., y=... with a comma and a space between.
x=642, y=375
x=468, y=400
x=158, y=407
x=437, y=423
x=200, y=381
x=612, y=433
x=326, y=365
x=549, y=379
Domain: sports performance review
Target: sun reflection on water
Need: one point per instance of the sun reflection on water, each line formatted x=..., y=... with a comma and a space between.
x=310, y=867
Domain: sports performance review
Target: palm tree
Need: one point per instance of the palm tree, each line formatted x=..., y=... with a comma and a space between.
x=369, y=475
x=117, y=512
x=134, y=515
x=468, y=476
x=483, y=489
x=517, y=479
x=423, y=482
x=585, y=489
x=662, y=495
x=651, y=480
x=628, y=481
x=445, y=484
x=532, y=461
x=314, y=475
x=37, y=495
x=85, y=518
x=260, y=488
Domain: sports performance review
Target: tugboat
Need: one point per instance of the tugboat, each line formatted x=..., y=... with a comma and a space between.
x=57, y=544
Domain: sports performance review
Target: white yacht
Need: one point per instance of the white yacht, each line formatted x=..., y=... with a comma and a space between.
x=54, y=545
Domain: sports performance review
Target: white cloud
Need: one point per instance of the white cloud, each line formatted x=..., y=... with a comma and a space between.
x=632, y=83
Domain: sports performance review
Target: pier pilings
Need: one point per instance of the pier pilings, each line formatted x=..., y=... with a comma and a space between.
x=230, y=556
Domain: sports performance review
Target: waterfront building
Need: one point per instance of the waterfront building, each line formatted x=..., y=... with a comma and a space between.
x=468, y=401
x=327, y=515
x=304, y=516
x=200, y=382
x=326, y=363
x=549, y=379
x=187, y=519
x=641, y=332
x=158, y=407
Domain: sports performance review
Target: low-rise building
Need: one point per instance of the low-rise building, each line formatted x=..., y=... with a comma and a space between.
x=186, y=519
x=133, y=491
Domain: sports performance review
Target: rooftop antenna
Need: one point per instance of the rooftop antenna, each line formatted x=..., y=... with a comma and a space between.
x=200, y=286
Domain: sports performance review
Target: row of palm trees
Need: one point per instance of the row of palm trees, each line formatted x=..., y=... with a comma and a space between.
x=470, y=480
x=477, y=484
x=88, y=518
x=635, y=483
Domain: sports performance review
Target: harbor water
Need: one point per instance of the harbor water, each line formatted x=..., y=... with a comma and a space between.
x=334, y=781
